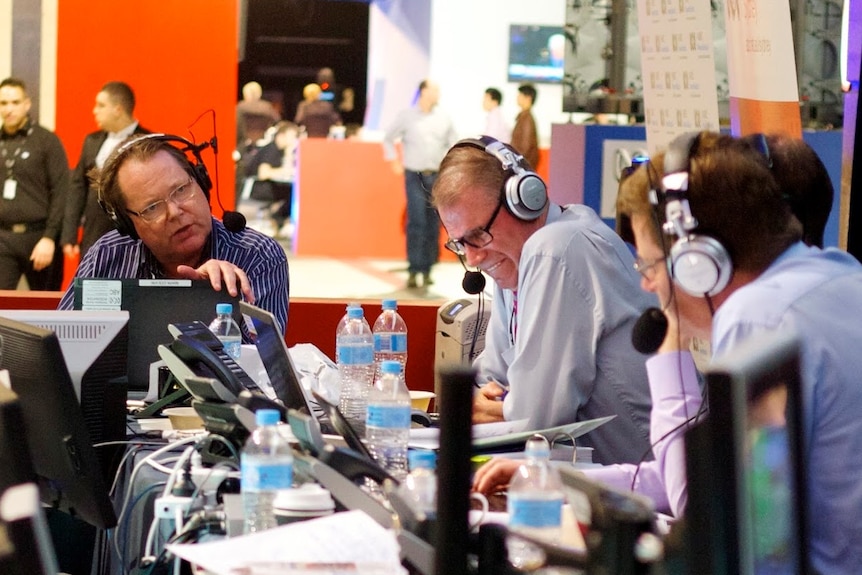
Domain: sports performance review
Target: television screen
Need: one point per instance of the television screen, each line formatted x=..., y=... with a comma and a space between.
x=536, y=53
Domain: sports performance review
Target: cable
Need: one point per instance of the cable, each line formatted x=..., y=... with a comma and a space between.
x=124, y=527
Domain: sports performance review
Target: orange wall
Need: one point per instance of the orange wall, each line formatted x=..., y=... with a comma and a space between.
x=179, y=56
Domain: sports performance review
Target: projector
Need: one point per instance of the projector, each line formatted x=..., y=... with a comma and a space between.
x=461, y=328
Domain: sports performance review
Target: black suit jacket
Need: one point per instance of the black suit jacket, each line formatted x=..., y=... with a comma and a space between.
x=82, y=200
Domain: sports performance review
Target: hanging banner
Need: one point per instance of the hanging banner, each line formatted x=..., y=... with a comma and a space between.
x=761, y=67
x=678, y=69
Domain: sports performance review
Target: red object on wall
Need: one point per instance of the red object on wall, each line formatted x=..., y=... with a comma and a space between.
x=180, y=58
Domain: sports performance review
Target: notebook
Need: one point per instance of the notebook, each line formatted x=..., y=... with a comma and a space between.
x=152, y=304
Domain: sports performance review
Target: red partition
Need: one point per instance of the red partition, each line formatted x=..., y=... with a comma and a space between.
x=313, y=321
x=179, y=57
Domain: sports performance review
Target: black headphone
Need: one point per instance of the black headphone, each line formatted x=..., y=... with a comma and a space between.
x=699, y=264
x=196, y=168
x=524, y=191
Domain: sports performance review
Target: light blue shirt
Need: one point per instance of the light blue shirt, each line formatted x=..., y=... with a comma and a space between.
x=817, y=293
x=425, y=138
x=567, y=354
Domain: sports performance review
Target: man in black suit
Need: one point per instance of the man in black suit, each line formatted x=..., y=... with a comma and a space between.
x=115, y=104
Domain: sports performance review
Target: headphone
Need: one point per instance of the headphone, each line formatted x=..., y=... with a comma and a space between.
x=699, y=264
x=197, y=169
x=524, y=191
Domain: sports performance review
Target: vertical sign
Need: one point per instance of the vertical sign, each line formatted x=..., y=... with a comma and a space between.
x=678, y=69
x=764, y=96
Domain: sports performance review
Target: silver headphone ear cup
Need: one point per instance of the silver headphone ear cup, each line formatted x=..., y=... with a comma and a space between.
x=700, y=265
x=526, y=195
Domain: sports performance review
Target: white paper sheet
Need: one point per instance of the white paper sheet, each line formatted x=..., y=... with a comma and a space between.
x=348, y=542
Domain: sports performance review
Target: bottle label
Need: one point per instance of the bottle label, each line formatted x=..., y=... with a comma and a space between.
x=526, y=512
x=233, y=347
x=265, y=475
x=354, y=354
x=388, y=416
x=390, y=342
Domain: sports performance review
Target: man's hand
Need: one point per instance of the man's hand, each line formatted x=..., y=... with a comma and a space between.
x=488, y=403
x=220, y=272
x=495, y=475
x=42, y=254
x=71, y=250
x=397, y=167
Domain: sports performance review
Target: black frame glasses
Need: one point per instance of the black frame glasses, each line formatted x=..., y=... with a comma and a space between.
x=477, y=238
x=159, y=209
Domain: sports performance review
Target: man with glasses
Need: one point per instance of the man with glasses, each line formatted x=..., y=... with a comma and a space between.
x=558, y=345
x=166, y=230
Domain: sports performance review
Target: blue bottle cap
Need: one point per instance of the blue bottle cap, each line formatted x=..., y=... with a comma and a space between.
x=390, y=366
x=224, y=308
x=266, y=417
x=390, y=304
x=354, y=312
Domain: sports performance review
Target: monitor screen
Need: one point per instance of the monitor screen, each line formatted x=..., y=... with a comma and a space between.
x=70, y=476
x=17, y=468
x=746, y=484
x=94, y=346
x=536, y=53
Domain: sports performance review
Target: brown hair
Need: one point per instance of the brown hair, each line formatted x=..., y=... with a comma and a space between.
x=731, y=192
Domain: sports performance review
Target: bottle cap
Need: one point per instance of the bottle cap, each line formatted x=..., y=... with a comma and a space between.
x=266, y=417
x=537, y=446
x=422, y=459
x=224, y=308
x=354, y=312
x=390, y=304
x=390, y=366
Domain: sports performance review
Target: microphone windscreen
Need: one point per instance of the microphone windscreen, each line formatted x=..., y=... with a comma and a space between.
x=233, y=221
x=649, y=330
x=473, y=282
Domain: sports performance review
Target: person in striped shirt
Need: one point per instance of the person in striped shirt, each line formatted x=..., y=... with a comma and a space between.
x=159, y=201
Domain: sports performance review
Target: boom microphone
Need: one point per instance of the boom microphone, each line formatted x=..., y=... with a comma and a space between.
x=649, y=330
x=473, y=282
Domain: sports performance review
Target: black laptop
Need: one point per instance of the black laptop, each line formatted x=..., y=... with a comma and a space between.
x=152, y=305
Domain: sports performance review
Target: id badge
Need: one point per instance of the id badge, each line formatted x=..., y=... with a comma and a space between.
x=9, y=188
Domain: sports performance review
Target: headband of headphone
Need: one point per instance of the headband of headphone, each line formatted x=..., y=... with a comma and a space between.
x=699, y=264
x=524, y=191
x=197, y=170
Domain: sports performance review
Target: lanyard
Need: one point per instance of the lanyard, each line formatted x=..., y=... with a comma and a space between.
x=9, y=162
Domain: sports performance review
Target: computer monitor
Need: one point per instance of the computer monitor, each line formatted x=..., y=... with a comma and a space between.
x=746, y=509
x=152, y=305
x=68, y=471
x=94, y=346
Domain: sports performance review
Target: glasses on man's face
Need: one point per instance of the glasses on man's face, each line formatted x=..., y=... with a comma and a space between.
x=477, y=238
x=158, y=210
x=647, y=268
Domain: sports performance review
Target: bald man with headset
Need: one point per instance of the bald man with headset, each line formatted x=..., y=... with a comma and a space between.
x=158, y=199
x=558, y=346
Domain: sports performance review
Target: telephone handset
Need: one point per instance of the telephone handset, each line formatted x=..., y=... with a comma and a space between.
x=204, y=355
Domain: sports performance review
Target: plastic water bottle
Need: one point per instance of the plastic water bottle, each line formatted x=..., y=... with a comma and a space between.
x=344, y=318
x=227, y=330
x=419, y=489
x=535, y=504
x=390, y=336
x=354, y=352
x=266, y=466
x=387, y=425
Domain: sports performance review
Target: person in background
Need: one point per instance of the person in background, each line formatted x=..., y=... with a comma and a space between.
x=525, y=136
x=274, y=167
x=159, y=202
x=114, y=114
x=35, y=174
x=495, y=125
x=566, y=297
x=254, y=116
x=425, y=133
x=315, y=115
x=342, y=97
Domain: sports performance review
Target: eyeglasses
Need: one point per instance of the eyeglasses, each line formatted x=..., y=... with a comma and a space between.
x=157, y=210
x=477, y=238
x=647, y=268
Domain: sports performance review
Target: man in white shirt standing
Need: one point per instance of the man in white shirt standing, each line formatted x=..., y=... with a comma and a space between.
x=495, y=125
x=113, y=112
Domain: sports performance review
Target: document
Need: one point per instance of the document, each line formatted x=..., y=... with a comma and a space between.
x=350, y=542
x=493, y=435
